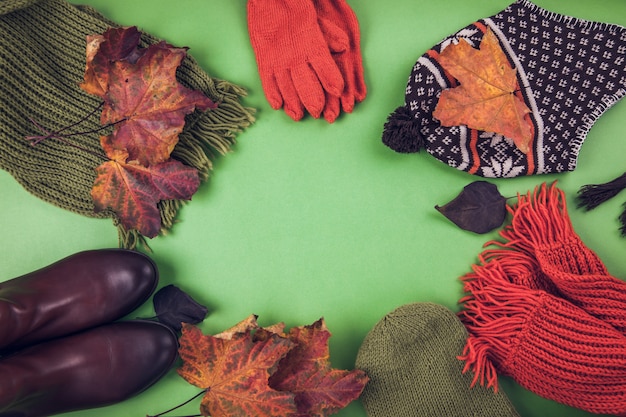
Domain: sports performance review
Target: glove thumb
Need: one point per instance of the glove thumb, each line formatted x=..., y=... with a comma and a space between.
x=336, y=38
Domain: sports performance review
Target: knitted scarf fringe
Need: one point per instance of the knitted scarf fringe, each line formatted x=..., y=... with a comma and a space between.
x=495, y=313
x=519, y=268
x=540, y=218
x=498, y=301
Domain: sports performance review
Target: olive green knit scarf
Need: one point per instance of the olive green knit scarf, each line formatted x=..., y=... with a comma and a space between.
x=42, y=61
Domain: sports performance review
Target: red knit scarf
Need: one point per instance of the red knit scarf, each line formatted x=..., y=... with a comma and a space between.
x=542, y=308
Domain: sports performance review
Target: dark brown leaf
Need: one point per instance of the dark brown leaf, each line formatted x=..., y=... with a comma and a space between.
x=173, y=307
x=479, y=208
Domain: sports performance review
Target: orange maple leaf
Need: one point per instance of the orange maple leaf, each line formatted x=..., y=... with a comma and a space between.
x=95, y=82
x=256, y=371
x=234, y=372
x=485, y=99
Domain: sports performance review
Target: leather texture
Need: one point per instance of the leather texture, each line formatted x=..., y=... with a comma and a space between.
x=95, y=368
x=81, y=291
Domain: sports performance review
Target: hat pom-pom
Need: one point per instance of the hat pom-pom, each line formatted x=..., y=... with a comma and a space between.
x=401, y=132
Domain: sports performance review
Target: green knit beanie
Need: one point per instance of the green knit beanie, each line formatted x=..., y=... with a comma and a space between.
x=411, y=359
x=42, y=62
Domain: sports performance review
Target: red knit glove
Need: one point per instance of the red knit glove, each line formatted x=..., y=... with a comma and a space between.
x=341, y=30
x=294, y=60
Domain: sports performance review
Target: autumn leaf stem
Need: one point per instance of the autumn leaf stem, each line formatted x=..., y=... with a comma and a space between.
x=201, y=393
x=36, y=139
x=63, y=137
x=84, y=118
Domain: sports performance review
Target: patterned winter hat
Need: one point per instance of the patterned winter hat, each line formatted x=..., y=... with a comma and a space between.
x=569, y=72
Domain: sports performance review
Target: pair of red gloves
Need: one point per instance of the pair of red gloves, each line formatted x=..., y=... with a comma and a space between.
x=308, y=54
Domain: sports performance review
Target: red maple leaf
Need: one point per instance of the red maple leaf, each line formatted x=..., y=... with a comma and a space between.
x=147, y=106
x=141, y=94
x=153, y=105
x=306, y=371
x=134, y=190
x=114, y=45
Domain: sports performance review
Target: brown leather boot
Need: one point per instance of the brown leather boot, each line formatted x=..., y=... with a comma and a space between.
x=78, y=292
x=97, y=367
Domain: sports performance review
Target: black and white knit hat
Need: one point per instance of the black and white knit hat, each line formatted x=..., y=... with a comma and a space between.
x=570, y=72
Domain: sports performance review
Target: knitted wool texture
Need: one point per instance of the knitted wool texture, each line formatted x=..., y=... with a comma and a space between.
x=542, y=238
x=341, y=30
x=570, y=72
x=542, y=308
x=42, y=61
x=410, y=357
x=293, y=59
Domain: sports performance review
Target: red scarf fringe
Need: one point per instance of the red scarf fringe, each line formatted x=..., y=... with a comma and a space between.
x=495, y=313
x=543, y=270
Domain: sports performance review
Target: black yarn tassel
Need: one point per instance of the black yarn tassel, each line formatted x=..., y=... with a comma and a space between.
x=591, y=196
x=401, y=132
x=622, y=220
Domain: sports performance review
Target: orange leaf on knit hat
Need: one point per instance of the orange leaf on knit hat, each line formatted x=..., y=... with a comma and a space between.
x=486, y=97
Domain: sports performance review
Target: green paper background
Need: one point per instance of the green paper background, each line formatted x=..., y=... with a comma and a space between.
x=309, y=219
